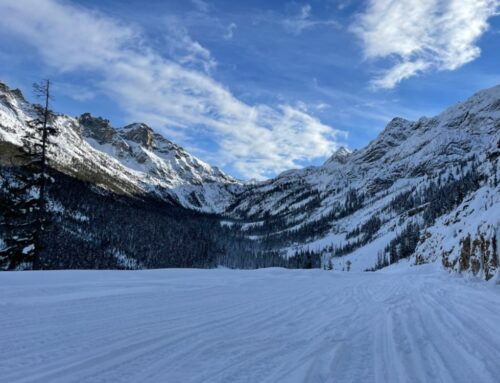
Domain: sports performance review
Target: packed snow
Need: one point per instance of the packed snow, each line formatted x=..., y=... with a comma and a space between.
x=416, y=324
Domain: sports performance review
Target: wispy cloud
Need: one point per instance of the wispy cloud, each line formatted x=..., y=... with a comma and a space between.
x=230, y=31
x=175, y=92
x=184, y=50
x=343, y=4
x=420, y=35
x=76, y=92
x=302, y=20
x=201, y=5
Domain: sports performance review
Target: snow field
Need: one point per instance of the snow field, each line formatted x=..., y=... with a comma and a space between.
x=268, y=325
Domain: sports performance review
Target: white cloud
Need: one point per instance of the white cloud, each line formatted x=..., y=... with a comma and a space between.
x=399, y=72
x=422, y=34
x=230, y=31
x=184, y=50
x=303, y=20
x=201, y=5
x=322, y=106
x=176, y=93
x=76, y=92
x=341, y=5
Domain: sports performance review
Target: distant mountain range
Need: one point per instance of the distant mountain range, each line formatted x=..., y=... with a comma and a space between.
x=422, y=191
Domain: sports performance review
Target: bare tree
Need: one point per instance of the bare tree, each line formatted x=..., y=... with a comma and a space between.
x=42, y=91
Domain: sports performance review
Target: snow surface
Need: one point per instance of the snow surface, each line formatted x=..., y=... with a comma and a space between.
x=268, y=325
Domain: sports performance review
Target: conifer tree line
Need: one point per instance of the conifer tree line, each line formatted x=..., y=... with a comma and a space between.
x=283, y=230
x=442, y=193
x=100, y=230
x=90, y=229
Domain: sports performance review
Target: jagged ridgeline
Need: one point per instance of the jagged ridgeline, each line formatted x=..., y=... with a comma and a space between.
x=423, y=191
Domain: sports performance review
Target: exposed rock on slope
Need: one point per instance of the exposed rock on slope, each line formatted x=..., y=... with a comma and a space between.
x=426, y=190
x=133, y=160
x=414, y=173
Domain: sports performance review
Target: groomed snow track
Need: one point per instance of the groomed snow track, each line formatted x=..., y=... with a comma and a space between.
x=269, y=325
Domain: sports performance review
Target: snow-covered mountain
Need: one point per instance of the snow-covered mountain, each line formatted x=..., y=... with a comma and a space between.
x=422, y=191
x=133, y=160
x=439, y=173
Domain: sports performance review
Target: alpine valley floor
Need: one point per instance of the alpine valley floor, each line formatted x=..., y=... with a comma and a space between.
x=269, y=325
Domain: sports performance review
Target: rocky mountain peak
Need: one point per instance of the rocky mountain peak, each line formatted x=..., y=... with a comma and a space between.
x=96, y=128
x=396, y=132
x=480, y=110
x=140, y=133
x=484, y=98
x=339, y=156
x=397, y=127
x=14, y=92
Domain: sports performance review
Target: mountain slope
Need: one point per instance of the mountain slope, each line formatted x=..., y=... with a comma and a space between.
x=133, y=160
x=425, y=190
x=354, y=205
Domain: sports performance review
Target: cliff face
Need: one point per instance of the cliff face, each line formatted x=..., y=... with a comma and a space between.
x=466, y=240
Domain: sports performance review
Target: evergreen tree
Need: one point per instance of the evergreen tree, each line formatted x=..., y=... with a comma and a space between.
x=348, y=265
x=19, y=203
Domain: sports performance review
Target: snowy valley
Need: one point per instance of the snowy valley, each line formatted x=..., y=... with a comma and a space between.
x=420, y=205
x=216, y=191
x=423, y=191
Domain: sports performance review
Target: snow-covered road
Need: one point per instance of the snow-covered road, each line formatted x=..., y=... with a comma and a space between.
x=268, y=325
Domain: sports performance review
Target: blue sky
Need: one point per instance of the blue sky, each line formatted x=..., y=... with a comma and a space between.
x=255, y=87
